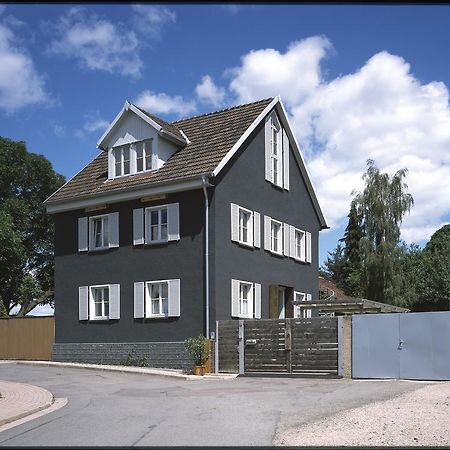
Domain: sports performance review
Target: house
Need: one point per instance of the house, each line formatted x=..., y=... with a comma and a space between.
x=176, y=225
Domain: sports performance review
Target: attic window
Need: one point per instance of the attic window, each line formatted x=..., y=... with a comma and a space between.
x=132, y=158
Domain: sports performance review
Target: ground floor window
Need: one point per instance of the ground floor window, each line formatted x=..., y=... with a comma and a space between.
x=158, y=297
x=100, y=302
x=301, y=313
x=245, y=299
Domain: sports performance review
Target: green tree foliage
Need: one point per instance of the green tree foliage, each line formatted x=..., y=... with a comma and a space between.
x=26, y=230
x=381, y=205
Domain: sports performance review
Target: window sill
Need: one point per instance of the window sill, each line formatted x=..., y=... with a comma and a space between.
x=245, y=244
x=98, y=319
x=162, y=241
x=301, y=261
x=276, y=253
x=98, y=249
x=161, y=316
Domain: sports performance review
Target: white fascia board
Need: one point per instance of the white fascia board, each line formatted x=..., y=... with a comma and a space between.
x=171, y=137
x=113, y=124
x=247, y=133
x=298, y=154
x=128, y=194
x=147, y=119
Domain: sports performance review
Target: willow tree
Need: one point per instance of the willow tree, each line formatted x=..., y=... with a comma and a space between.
x=381, y=205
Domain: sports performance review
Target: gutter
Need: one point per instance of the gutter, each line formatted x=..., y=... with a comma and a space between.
x=205, y=192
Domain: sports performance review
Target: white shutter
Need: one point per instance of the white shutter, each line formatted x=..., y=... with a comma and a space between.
x=267, y=148
x=173, y=219
x=234, y=298
x=308, y=246
x=113, y=229
x=257, y=295
x=138, y=226
x=139, y=299
x=83, y=243
x=267, y=222
x=285, y=161
x=114, y=301
x=83, y=308
x=286, y=239
x=308, y=311
x=234, y=222
x=292, y=242
x=110, y=164
x=256, y=229
x=174, y=298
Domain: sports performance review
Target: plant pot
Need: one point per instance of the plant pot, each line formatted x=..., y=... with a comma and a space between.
x=199, y=370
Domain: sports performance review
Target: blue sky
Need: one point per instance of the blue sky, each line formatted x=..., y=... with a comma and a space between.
x=358, y=82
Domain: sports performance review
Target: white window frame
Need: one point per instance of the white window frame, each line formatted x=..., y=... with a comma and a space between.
x=276, y=152
x=105, y=226
x=279, y=237
x=249, y=241
x=302, y=245
x=250, y=300
x=301, y=313
x=148, y=300
x=92, y=315
x=147, y=147
x=148, y=224
x=148, y=151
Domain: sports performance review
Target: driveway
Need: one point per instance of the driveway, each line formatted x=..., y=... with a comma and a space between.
x=117, y=409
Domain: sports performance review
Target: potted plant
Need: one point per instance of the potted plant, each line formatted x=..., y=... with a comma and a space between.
x=197, y=348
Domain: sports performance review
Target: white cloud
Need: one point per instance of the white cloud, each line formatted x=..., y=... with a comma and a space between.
x=380, y=111
x=151, y=19
x=20, y=83
x=58, y=129
x=97, y=44
x=161, y=103
x=96, y=125
x=208, y=92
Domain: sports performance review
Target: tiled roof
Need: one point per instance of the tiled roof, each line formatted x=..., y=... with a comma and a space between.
x=211, y=135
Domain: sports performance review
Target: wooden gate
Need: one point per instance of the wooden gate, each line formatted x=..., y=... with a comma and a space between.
x=289, y=346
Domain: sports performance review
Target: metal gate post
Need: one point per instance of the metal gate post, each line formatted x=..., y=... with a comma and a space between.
x=340, y=332
x=241, y=346
x=288, y=344
x=216, y=349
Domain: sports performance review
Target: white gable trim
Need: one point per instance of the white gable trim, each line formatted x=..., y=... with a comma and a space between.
x=130, y=107
x=277, y=103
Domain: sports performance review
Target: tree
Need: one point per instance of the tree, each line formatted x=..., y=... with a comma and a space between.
x=26, y=231
x=432, y=270
x=381, y=205
x=334, y=266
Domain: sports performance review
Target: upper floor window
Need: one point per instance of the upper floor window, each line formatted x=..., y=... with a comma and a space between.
x=98, y=232
x=276, y=152
x=245, y=226
x=136, y=157
x=156, y=224
x=156, y=221
x=299, y=245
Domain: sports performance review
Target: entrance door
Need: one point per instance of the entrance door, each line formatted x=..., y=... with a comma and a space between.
x=281, y=303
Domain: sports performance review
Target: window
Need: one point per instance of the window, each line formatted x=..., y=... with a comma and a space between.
x=99, y=232
x=157, y=299
x=245, y=299
x=276, y=240
x=131, y=158
x=299, y=245
x=143, y=156
x=276, y=152
x=100, y=302
x=156, y=221
x=122, y=160
x=245, y=226
x=301, y=313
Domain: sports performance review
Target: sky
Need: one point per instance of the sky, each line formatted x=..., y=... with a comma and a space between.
x=358, y=82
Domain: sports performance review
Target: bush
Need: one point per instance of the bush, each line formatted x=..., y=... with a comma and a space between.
x=197, y=348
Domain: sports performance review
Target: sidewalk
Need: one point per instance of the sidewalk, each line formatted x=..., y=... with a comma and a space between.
x=129, y=369
x=18, y=400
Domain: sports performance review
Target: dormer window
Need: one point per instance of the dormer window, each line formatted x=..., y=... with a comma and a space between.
x=133, y=158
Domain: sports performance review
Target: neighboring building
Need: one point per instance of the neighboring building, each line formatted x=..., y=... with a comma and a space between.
x=176, y=225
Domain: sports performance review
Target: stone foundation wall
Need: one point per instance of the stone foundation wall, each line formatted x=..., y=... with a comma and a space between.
x=169, y=355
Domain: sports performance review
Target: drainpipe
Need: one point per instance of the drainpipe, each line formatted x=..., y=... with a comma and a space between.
x=206, y=255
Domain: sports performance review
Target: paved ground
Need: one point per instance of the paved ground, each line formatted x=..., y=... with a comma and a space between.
x=118, y=409
x=18, y=400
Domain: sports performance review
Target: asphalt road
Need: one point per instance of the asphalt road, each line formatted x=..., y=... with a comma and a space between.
x=118, y=409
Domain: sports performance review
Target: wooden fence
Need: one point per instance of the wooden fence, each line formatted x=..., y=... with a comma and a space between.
x=27, y=338
x=301, y=346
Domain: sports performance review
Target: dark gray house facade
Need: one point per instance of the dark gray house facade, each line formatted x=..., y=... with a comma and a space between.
x=176, y=225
